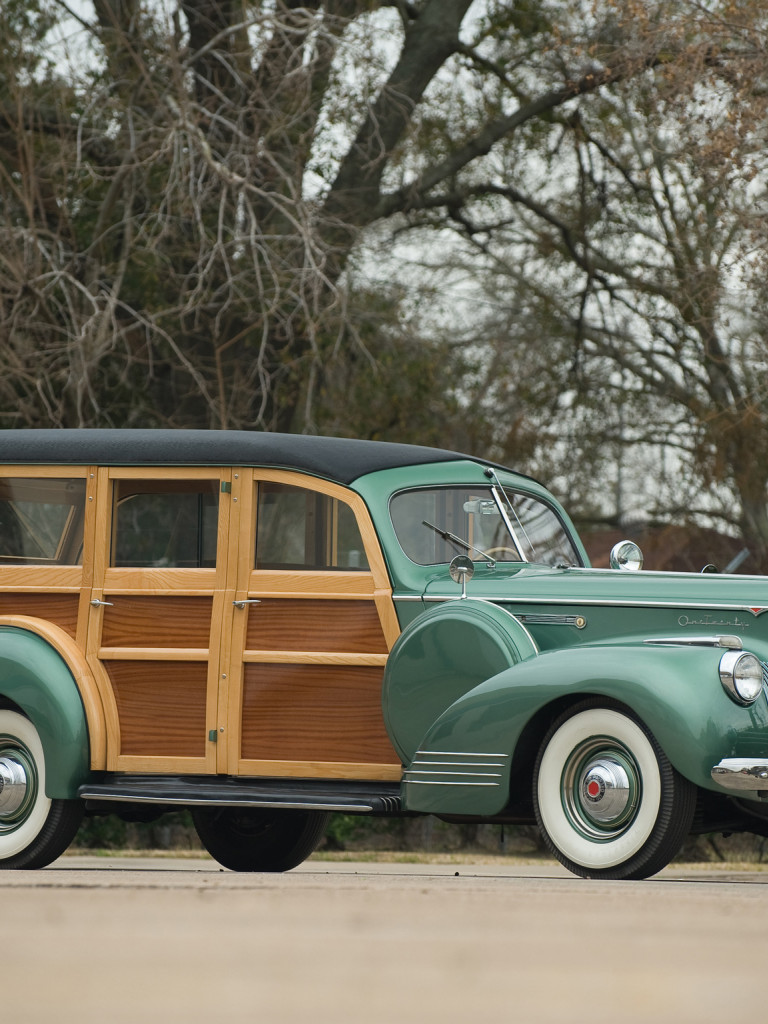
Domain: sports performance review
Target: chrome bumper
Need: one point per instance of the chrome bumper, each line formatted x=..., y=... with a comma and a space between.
x=741, y=773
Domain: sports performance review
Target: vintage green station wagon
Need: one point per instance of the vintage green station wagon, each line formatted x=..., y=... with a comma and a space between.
x=268, y=628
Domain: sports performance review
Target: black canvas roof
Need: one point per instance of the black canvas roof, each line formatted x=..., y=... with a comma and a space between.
x=336, y=458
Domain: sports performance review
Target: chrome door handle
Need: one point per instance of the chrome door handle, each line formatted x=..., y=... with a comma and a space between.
x=96, y=603
x=245, y=601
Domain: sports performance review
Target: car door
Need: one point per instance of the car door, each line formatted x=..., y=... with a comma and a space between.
x=158, y=608
x=313, y=623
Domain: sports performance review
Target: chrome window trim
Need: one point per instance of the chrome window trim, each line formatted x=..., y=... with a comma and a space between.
x=507, y=521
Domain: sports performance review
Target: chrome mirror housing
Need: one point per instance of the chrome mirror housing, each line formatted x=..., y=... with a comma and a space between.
x=462, y=570
x=627, y=556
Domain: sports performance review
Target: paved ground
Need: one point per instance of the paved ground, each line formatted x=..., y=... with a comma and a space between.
x=141, y=941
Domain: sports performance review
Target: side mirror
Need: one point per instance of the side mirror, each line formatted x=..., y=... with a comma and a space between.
x=462, y=570
x=627, y=556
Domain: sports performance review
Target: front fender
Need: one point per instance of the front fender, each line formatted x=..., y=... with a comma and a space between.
x=35, y=677
x=676, y=692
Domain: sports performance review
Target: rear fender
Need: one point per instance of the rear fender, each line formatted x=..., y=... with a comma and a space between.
x=35, y=676
x=676, y=692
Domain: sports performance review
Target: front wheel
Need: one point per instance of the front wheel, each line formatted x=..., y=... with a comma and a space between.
x=34, y=830
x=259, y=839
x=607, y=801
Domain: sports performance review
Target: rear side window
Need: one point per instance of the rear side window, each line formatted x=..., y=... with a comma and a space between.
x=170, y=524
x=41, y=521
x=301, y=529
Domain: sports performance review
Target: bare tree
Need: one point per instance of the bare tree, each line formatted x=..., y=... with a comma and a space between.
x=179, y=203
x=622, y=253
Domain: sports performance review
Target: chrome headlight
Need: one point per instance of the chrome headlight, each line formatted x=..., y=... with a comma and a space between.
x=742, y=676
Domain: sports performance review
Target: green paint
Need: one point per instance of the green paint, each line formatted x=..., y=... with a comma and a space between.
x=34, y=676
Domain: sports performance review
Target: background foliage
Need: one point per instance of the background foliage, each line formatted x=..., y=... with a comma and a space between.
x=534, y=230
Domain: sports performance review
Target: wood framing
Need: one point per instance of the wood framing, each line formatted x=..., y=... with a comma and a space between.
x=217, y=666
x=308, y=647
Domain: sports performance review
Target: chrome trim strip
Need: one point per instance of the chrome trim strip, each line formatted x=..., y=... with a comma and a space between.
x=545, y=619
x=455, y=753
x=478, y=775
x=731, y=643
x=741, y=773
x=599, y=602
x=457, y=764
x=423, y=782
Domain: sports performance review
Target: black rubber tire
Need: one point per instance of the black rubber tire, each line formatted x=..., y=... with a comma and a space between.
x=259, y=839
x=41, y=829
x=641, y=839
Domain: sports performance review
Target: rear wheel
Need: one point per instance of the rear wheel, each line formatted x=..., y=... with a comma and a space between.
x=34, y=830
x=608, y=802
x=259, y=839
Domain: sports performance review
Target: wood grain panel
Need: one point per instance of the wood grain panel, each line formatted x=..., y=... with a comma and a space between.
x=334, y=626
x=161, y=707
x=135, y=621
x=60, y=609
x=318, y=583
x=314, y=713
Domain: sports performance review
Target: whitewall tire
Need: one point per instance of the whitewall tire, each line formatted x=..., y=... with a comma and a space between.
x=607, y=801
x=34, y=830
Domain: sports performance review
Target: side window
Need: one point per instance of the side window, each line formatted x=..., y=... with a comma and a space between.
x=41, y=521
x=165, y=523
x=302, y=529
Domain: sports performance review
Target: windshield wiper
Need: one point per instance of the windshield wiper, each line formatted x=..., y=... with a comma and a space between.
x=447, y=535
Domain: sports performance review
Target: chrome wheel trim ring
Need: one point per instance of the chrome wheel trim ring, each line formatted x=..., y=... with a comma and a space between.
x=600, y=789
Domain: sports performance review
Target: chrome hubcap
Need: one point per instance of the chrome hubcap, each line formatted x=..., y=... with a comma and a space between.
x=600, y=789
x=605, y=790
x=13, y=787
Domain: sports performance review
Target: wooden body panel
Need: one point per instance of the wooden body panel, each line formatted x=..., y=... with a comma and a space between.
x=149, y=621
x=315, y=625
x=304, y=689
x=314, y=713
x=161, y=706
x=157, y=631
x=59, y=609
x=177, y=675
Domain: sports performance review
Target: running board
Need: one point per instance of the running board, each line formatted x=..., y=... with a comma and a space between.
x=348, y=797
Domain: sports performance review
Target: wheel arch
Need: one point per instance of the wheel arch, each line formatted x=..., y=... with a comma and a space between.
x=43, y=673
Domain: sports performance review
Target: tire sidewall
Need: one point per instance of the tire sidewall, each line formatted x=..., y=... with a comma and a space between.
x=14, y=840
x=613, y=726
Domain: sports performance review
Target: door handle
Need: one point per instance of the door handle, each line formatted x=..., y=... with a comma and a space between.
x=97, y=603
x=245, y=601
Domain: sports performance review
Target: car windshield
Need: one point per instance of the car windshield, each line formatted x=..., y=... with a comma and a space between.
x=434, y=524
